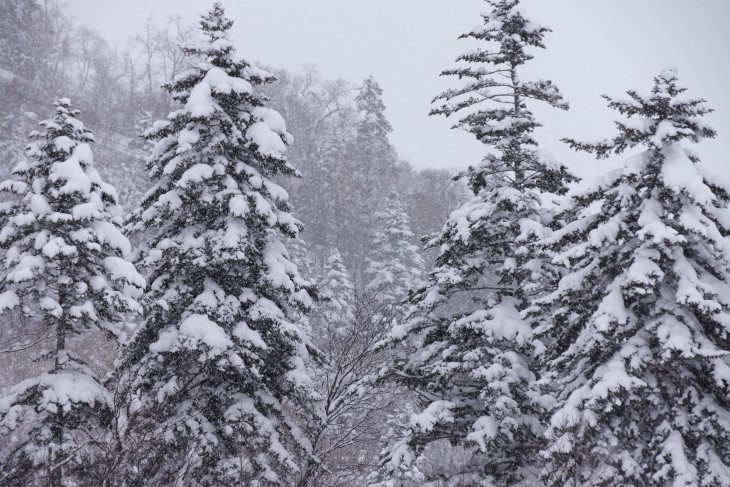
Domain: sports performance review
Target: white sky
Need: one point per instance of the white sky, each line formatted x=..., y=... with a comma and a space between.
x=598, y=46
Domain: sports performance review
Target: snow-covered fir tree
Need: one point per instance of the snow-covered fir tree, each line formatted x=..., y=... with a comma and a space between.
x=336, y=292
x=395, y=266
x=639, y=338
x=64, y=270
x=373, y=127
x=218, y=365
x=472, y=367
x=370, y=160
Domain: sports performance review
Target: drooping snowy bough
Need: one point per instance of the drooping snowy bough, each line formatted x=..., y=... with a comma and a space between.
x=64, y=272
x=217, y=367
x=638, y=341
x=473, y=366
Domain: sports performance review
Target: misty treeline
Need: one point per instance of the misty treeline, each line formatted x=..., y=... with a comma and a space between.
x=211, y=275
x=46, y=55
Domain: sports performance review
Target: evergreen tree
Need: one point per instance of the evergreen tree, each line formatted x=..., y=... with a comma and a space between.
x=373, y=127
x=638, y=338
x=336, y=292
x=371, y=160
x=218, y=364
x=64, y=268
x=395, y=267
x=472, y=367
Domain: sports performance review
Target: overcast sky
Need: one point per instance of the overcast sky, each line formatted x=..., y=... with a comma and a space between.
x=598, y=46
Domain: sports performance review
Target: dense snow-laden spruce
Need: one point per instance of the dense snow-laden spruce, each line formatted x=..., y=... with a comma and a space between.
x=395, y=266
x=472, y=364
x=63, y=271
x=638, y=346
x=218, y=364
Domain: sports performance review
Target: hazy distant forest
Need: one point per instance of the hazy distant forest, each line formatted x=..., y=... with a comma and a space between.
x=216, y=273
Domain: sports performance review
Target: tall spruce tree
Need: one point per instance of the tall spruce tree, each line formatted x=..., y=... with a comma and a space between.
x=370, y=159
x=373, y=127
x=472, y=367
x=64, y=271
x=218, y=364
x=638, y=341
x=395, y=266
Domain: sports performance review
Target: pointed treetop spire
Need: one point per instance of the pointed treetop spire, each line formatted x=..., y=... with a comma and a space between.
x=373, y=126
x=492, y=78
x=492, y=102
x=216, y=49
x=512, y=28
x=656, y=120
x=66, y=123
x=370, y=101
x=215, y=24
